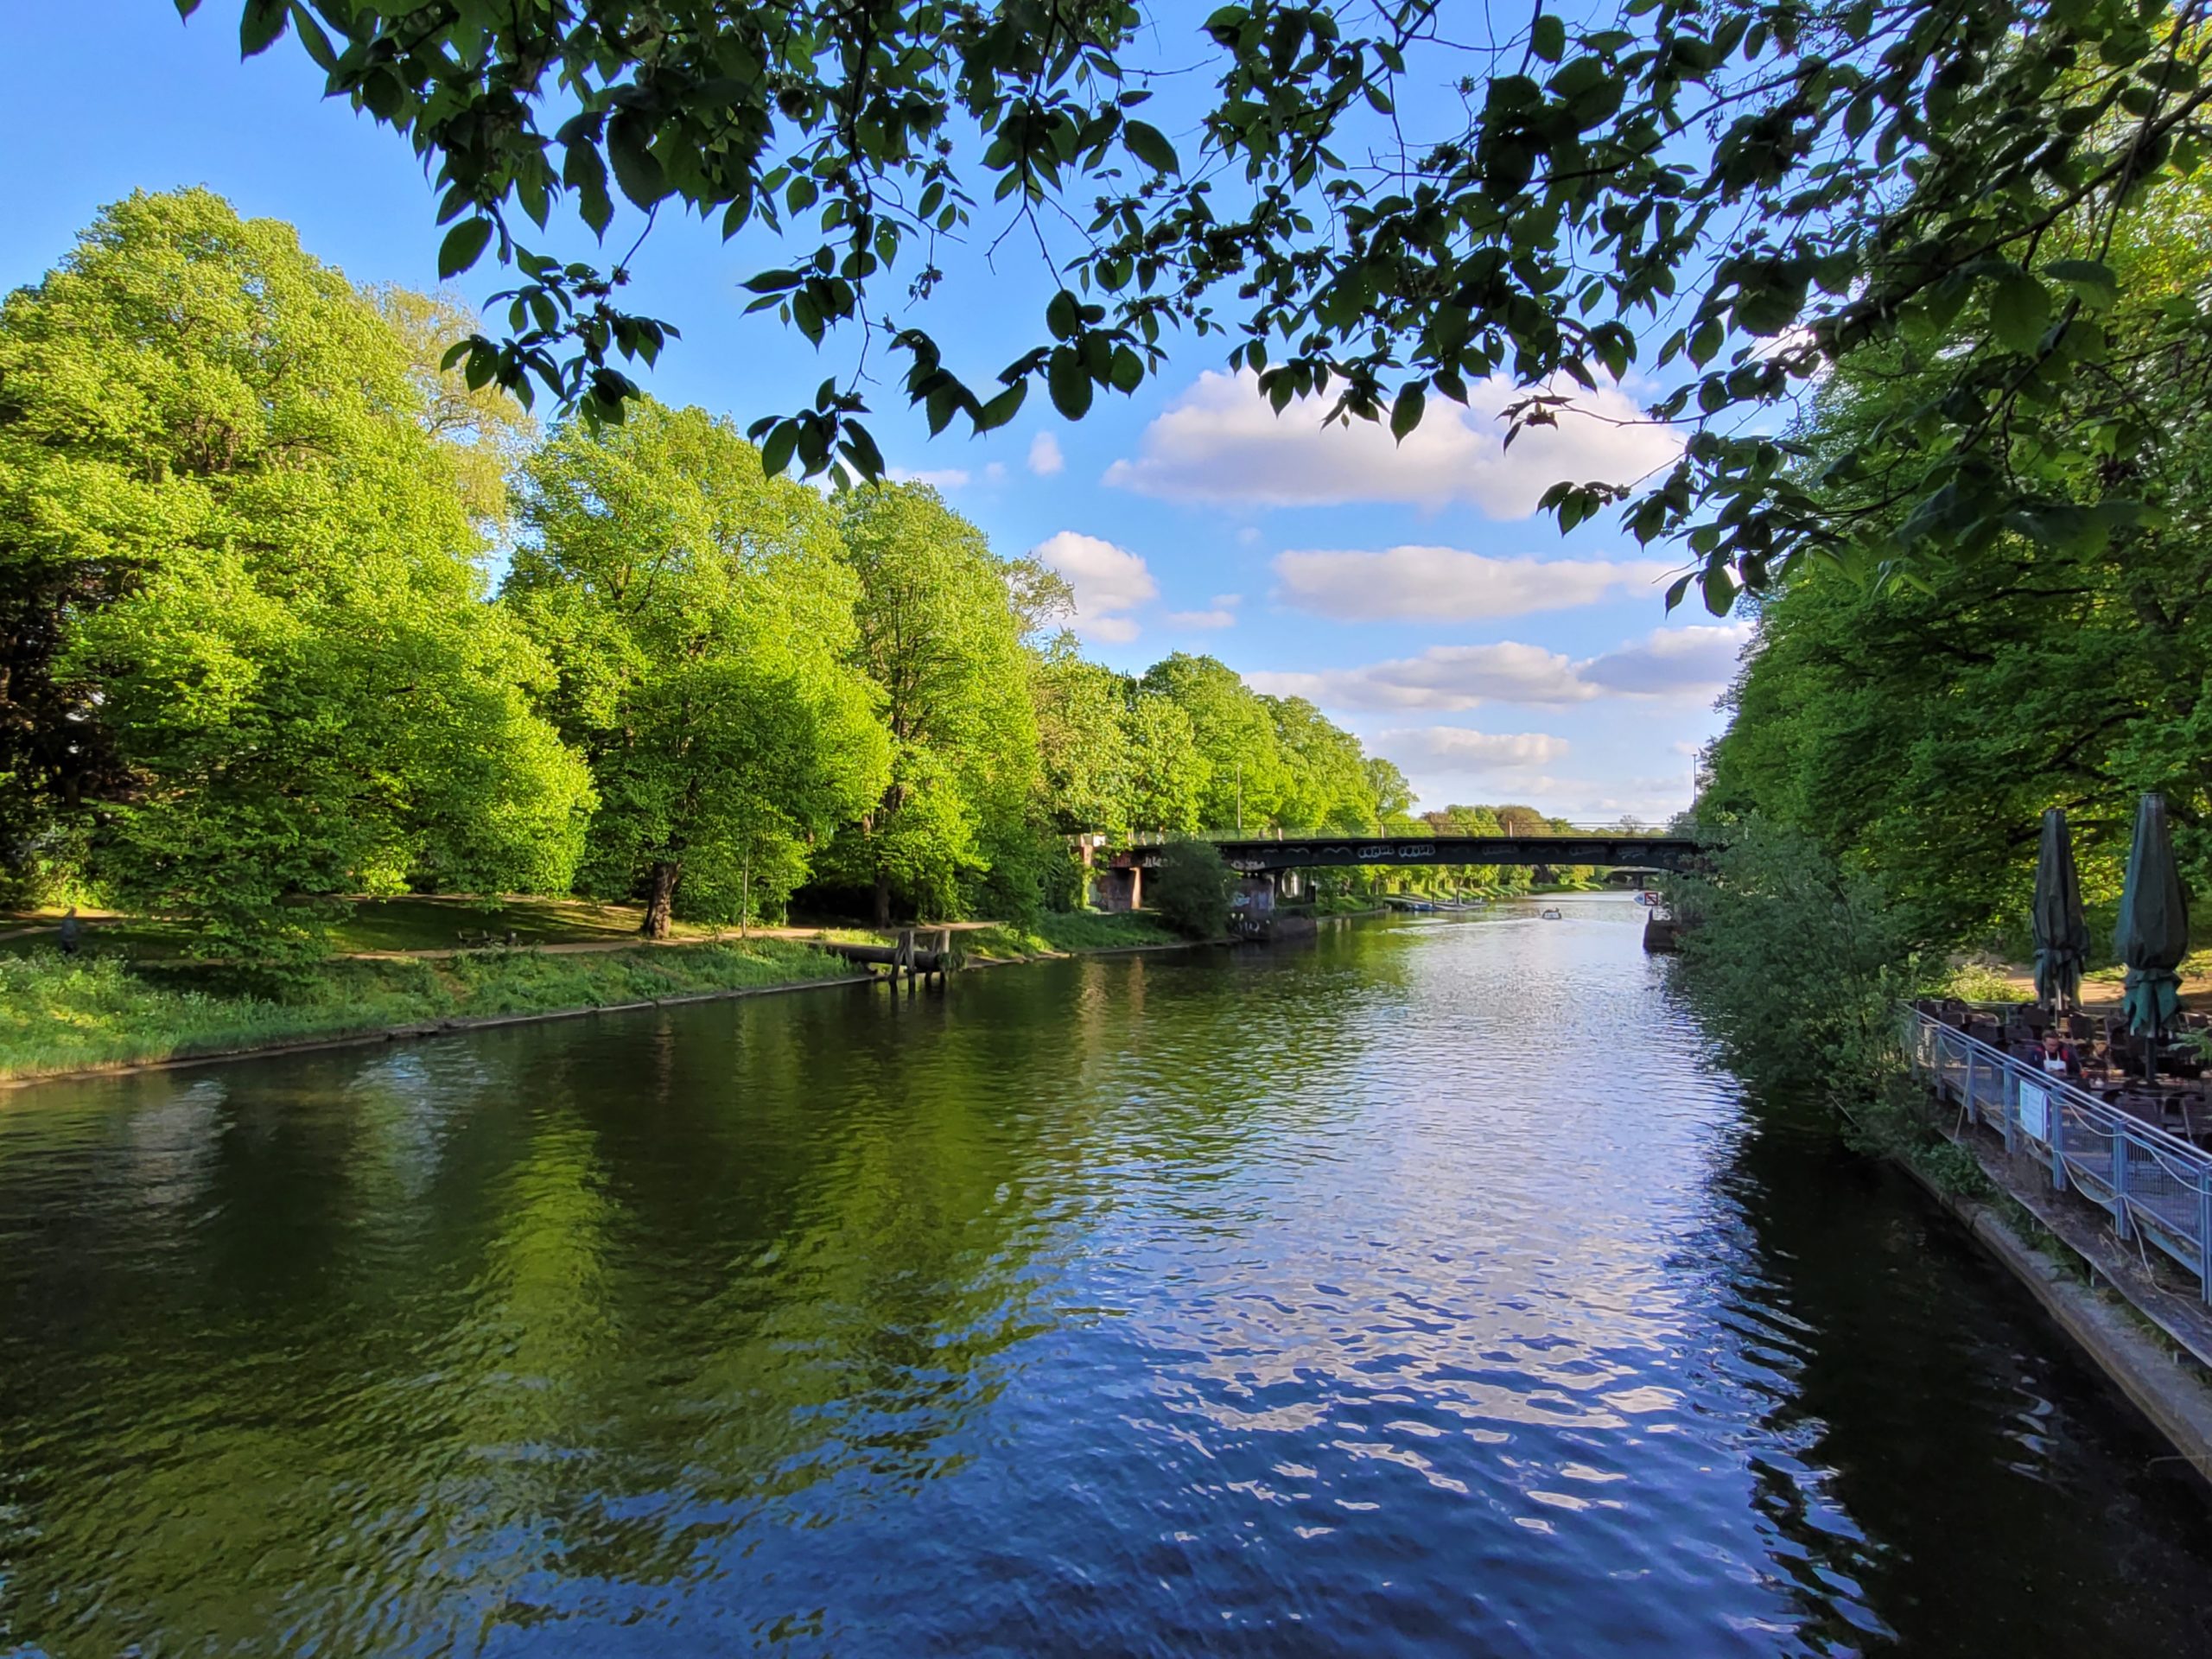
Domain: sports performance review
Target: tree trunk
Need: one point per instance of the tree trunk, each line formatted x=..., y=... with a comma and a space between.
x=882, y=898
x=661, y=905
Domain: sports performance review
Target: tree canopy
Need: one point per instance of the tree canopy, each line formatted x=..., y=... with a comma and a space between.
x=1384, y=206
x=1919, y=734
x=247, y=657
x=939, y=637
x=252, y=664
x=699, y=616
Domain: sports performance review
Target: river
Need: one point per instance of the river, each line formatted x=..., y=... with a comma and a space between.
x=1423, y=1290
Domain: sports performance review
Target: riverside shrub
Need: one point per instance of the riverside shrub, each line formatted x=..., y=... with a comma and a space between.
x=1798, y=964
x=1191, y=889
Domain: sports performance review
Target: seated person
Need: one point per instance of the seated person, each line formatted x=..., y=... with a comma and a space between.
x=2057, y=1056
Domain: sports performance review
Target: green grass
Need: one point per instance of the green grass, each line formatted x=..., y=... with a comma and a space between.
x=1073, y=930
x=57, y=1014
x=414, y=923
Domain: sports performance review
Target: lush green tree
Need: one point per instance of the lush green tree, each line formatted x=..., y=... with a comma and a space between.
x=1393, y=795
x=1191, y=889
x=1083, y=743
x=1246, y=784
x=1326, y=785
x=1917, y=734
x=1736, y=192
x=1117, y=757
x=1167, y=774
x=1043, y=605
x=939, y=637
x=485, y=433
x=245, y=658
x=699, y=616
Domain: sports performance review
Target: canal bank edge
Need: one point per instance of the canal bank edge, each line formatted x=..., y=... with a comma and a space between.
x=410, y=1030
x=2165, y=1382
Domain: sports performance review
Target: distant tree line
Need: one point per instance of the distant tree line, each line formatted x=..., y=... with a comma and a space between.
x=290, y=614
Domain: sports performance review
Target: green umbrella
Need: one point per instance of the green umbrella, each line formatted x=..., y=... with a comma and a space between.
x=2153, y=932
x=2062, y=936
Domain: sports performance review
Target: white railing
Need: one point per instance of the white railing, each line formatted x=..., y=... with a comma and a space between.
x=2155, y=1186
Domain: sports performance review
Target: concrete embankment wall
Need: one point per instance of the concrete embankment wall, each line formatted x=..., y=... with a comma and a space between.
x=2156, y=1348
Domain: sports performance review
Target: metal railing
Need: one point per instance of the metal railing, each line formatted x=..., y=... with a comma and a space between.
x=2155, y=1186
x=1563, y=830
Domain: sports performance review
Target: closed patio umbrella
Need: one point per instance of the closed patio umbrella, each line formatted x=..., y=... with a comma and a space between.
x=2061, y=935
x=2153, y=932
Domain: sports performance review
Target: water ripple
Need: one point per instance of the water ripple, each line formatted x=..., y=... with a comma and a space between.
x=1426, y=1290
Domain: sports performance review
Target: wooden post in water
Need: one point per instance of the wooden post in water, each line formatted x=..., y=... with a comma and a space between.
x=906, y=959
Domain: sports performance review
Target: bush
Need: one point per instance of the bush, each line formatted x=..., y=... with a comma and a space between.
x=1798, y=965
x=1191, y=889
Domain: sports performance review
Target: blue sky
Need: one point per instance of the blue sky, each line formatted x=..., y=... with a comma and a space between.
x=1409, y=591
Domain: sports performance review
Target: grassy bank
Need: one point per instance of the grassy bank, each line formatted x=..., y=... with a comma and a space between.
x=61, y=1016
x=418, y=922
x=1066, y=934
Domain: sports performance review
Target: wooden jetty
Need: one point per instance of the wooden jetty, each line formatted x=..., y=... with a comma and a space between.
x=907, y=955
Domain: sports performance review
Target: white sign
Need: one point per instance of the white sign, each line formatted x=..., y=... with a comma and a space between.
x=2035, y=1109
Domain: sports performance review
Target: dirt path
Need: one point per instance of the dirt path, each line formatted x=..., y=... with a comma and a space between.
x=2103, y=994
x=585, y=947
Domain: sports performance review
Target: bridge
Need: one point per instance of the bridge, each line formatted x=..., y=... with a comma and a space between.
x=1258, y=856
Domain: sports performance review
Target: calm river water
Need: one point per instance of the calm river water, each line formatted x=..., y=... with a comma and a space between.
x=1420, y=1291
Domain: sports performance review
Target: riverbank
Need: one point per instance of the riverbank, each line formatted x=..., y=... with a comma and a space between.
x=2153, y=1344
x=61, y=1017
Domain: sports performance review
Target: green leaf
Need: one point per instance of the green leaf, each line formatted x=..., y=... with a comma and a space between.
x=1063, y=314
x=1002, y=407
x=1718, y=587
x=635, y=170
x=312, y=37
x=463, y=246
x=1405, y=413
x=1149, y=145
x=776, y=452
x=1128, y=370
x=1548, y=37
x=1069, y=383
x=2019, y=311
x=260, y=25
x=2091, y=280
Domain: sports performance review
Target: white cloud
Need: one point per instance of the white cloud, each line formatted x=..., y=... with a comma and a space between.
x=1220, y=612
x=1223, y=443
x=1045, y=456
x=1581, y=800
x=1444, y=584
x=1462, y=751
x=1443, y=678
x=994, y=473
x=1109, y=582
x=942, y=478
x=1673, y=662
x=1690, y=662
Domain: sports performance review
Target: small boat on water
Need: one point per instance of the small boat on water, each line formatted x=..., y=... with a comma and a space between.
x=1552, y=915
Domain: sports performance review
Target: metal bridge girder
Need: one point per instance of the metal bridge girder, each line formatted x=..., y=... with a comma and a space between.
x=1386, y=852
